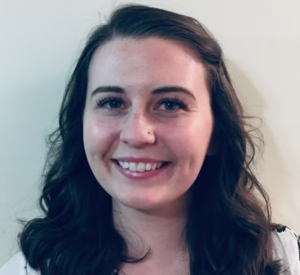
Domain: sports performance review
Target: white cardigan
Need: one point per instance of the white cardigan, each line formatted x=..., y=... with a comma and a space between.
x=286, y=243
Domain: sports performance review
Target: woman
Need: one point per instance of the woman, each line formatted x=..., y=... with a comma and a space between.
x=149, y=171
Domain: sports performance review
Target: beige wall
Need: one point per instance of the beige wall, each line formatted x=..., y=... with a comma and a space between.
x=41, y=39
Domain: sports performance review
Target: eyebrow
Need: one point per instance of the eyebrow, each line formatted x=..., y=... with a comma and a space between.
x=160, y=90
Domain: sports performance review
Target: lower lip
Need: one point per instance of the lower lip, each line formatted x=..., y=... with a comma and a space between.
x=140, y=175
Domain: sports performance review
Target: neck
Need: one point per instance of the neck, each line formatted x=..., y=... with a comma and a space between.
x=160, y=230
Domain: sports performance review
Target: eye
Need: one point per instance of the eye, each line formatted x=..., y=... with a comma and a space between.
x=110, y=103
x=172, y=104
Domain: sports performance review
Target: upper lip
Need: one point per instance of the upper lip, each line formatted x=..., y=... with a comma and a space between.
x=145, y=160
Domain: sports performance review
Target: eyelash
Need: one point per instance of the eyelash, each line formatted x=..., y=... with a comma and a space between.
x=101, y=103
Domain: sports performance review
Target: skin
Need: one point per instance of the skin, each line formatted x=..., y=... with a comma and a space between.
x=141, y=125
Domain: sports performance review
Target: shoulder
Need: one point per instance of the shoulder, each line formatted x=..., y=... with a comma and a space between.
x=17, y=265
x=286, y=244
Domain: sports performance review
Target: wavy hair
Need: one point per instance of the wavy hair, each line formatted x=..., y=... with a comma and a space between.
x=228, y=228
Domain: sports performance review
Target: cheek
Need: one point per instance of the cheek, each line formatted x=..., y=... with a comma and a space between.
x=190, y=139
x=194, y=152
x=97, y=135
x=189, y=143
x=198, y=136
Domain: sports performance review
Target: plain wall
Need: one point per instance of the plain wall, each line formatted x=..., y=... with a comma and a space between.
x=39, y=43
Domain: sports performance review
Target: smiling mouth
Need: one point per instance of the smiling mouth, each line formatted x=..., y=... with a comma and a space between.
x=141, y=166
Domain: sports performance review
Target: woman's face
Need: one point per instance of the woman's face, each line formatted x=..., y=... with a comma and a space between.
x=147, y=107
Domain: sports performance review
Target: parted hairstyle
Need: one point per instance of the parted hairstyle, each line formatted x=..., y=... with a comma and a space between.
x=228, y=228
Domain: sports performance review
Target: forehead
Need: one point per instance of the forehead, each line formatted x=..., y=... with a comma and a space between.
x=129, y=62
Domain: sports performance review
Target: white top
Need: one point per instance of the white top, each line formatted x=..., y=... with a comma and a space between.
x=287, y=248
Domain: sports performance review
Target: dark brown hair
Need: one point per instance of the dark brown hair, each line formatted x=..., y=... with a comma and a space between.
x=228, y=227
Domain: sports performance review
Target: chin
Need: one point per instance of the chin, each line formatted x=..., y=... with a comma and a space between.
x=140, y=203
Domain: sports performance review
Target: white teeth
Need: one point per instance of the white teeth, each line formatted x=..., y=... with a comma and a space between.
x=153, y=166
x=132, y=166
x=140, y=167
x=124, y=164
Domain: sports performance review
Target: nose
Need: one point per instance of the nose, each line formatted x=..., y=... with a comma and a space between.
x=137, y=130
